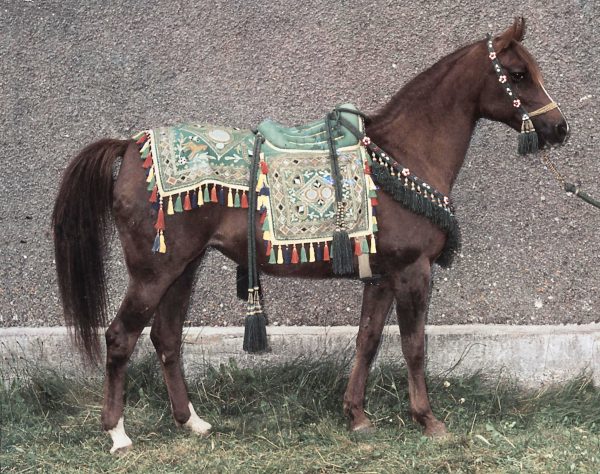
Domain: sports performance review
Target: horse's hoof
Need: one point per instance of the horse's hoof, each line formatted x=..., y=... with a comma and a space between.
x=121, y=450
x=436, y=430
x=121, y=442
x=364, y=428
x=197, y=425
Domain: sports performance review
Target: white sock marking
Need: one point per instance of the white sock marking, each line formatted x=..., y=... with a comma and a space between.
x=119, y=437
x=196, y=424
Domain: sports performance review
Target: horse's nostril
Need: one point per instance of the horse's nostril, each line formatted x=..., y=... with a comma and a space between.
x=562, y=131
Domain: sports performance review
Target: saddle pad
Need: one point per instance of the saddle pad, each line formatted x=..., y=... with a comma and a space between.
x=189, y=165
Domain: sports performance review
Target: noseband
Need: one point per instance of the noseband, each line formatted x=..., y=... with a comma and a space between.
x=528, y=139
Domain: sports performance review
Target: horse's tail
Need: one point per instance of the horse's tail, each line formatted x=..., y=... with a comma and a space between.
x=80, y=220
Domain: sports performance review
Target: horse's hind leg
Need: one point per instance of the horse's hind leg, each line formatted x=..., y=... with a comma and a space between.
x=411, y=288
x=166, y=335
x=377, y=300
x=137, y=308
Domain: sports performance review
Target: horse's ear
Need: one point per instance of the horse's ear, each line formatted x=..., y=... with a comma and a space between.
x=515, y=32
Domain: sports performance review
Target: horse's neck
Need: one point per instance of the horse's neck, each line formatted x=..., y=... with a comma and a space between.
x=427, y=126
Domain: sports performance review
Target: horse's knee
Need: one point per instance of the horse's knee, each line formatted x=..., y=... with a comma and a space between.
x=117, y=347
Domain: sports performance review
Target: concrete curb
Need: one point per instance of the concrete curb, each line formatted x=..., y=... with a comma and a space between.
x=531, y=355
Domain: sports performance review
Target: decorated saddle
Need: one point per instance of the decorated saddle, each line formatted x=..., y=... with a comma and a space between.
x=190, y=165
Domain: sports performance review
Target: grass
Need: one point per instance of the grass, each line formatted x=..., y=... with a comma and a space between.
x=288, y=418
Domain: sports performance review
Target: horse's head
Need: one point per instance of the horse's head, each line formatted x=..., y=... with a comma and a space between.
x=514, y=92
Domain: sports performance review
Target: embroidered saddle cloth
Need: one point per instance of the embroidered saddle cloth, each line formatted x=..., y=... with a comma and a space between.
x=190, y=165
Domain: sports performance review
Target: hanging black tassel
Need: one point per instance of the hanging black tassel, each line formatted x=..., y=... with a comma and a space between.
x=342, y=253
x=255, y=333
x=528, y=139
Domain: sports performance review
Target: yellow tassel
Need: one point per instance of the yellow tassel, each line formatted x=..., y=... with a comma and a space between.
x=279, y=255
x=259, y=182
x=200, y=198
x=163, y=247
x=150, y=175
x=267, y=235
x=260, y=202
x=145, y=147
x=311, y=253
x=373, y=248
x=229, y=199
x=170, y=210
x=374, y=220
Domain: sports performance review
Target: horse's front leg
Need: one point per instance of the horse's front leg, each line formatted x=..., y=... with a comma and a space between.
x=377, y=300
x=411, y=289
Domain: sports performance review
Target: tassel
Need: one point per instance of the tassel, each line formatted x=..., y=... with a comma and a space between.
x=374, y=202
x=357, y=249
x=150, y=175
x=374, y=226
x=162, y=247
x=160, y=220
x=267, y=235
x=311, y=253
x=255, y=333
x=244, y=200
x=264, y=169
x=222, y=196
x=326, y=252
x=341, y=250
x=272, y=257
x=303, y=258
x=263, y=217
x=236, y=199
x=295, y=257
x=156, y=246
x=265, y=225
x=194, y=199
x=319, y=252
x=148, y=161
x=269, y=248
x=187, y=204
x=140, y=137
x=280, y=255
x=364, y=245
x=170, y=210
x=229, y=198
x=151, y=184
x=528, y=139
x=213, y=194
x=287, y=255
x=205, y=196
x=154, y=195
x=373, y=248
x=178, y=206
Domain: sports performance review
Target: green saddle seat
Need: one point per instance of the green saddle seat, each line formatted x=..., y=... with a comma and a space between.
x=312, y=136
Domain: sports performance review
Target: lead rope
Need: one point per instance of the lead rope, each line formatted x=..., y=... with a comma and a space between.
x=568, y=187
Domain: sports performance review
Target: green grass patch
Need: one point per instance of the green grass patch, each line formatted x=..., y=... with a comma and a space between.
x=288, y=418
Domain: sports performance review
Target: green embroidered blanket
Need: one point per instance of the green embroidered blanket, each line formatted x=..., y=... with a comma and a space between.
x=190, y=165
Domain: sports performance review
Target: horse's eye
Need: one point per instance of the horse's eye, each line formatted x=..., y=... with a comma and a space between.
x=517, y=76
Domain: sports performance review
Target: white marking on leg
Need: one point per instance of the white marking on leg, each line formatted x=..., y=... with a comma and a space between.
x=120, y=440
x=164, y=358
x=196, y=424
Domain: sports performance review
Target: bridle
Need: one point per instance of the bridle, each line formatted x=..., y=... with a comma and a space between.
x=528, y=139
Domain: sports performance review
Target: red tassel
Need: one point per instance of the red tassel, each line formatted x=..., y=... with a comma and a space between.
x=264, y=168
x=269, y=248
x=357, y=249
x=326, y=253
x=295, y=258
x=244, y=200
x=154, y=195
x=263, y=217
x=367, y=169
x=213, y=194
x=374, y=202
x=142, y=139
x=148, y=161
x=160, y=221
x=187, y=204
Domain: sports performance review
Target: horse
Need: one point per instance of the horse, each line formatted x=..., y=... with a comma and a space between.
x=427, y=126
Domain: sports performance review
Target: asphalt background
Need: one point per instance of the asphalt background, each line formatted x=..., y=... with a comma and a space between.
x=73, y=72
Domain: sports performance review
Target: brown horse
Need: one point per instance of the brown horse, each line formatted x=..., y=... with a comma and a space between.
x=427, y=126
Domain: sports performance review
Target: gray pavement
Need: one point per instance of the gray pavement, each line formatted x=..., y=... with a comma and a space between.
x=73, y=72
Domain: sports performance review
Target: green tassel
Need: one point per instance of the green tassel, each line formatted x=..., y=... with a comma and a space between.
x=273, y=257
x=178, y=206
x=372, y=193
x=205, y=195
x=364, y=246
x=151, y=184
x=236, y=200
x=303, y=258
x=265, y=225
x=342, y=254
